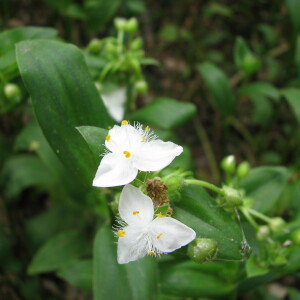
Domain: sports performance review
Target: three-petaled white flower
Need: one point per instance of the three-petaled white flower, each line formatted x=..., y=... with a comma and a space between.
x=143, y=233
x=132, y=148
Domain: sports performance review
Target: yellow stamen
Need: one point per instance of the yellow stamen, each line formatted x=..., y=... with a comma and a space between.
x=124, y=122
x=143, y=139
x=147, y=127
x=159, y=236
x=151, y=252
x=107, y=138
x=121, y=233
x=159, y=215
x=136, y=212
x=127, y=154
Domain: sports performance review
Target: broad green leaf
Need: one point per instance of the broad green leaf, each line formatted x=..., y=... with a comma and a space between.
x=23, y=171
x=59, y=251
x=244, y=58
x=99, y=12
x=262, y=110
x=253, y=269
x=261, y=88
x=292, y=96
x=164, y=113
x=191, y=280
x=79, y=273
x=132, y=281
x=95, y=138
x=264, y=185
x=199, y=211
x=218, y=85
x=294, y=11
x=63, y=97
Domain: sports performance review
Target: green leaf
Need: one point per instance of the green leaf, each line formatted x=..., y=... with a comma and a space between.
x=164, y=113
x=262, y=110
x=244, y=58
x=219, y=87
x=294, y=9
x=253, y=269
x=292, y=96
x=264, y=185
x=99, y=12
x=261, y=88
x=187, y=279
x=59, y=251
x=79, y=273
x=199, y=211
x=64, y=97
x=132, y=281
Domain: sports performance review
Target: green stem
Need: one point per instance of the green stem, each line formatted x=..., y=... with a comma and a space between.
x=259, y=215
x=249, y=218
x=206, y=185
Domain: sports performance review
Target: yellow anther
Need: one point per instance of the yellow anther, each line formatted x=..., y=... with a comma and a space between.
x=124, y=122
x=159, y=236
x=147, y=127
x=107, y=138
x=151, y=252
x=159, y=215
x=143, y=139
x=136, y=212
x=121, y=233
x=127, y=154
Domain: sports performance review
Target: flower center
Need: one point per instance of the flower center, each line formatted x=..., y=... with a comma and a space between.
x=159, y=215
x=136, y=212
x=108, y=138
x=127, y=154
x=124, y=122
x=151, y=252
x=121, y=233
x=158, y=237
x=147, y=127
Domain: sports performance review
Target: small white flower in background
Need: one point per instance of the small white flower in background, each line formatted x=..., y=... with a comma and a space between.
x=132, y=148
x=141, y=232
x=114, y=100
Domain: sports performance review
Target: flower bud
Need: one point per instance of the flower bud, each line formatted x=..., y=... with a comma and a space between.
x=263, y=232
x=120, y=23
x=131, y=25
x=12, y=92
x=111, y=49
x=296, y=237
x=135, y=65
x=251, y=63
x=141, y=86
x=174, y=183
x=228, y=164
x=201, y=250
x=136, y=44
x=277, y=225
x=243, y=169
x=94, y=46
x=232, y=197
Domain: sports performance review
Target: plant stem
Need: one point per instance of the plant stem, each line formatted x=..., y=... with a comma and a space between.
x=259, y=215
x=206, y=185
x=249, y=218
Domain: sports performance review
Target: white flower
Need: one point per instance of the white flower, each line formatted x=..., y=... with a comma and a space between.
x=132, y=148
x=114, y=100
x=142, y=235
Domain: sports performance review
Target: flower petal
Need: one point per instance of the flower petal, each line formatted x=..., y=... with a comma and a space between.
x=124, y=138
x=168, y=234
x=132, y=246
x=155, y=155
x=114, y=170
x=135, y=208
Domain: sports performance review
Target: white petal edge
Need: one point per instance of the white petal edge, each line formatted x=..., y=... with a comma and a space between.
x=132, y=246
x=168, y=234
x=155, y=155
x=135, y=208
x=114, y=170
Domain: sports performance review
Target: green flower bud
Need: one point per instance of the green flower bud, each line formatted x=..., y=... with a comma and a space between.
x=141, y=87
x=132, y=25
x=201, y=250
x=277, y=225
x=120, y=23
x=228, y=164
x=111, y=49
x=232, y=197
x=296, y=237
x=12, y=92
x=94, y=46
x=135, y=65
x=251, y=63
x=136, y=44
x=243, y=169
x=174, y=183
x=263, y=232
